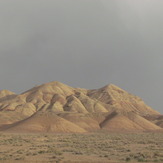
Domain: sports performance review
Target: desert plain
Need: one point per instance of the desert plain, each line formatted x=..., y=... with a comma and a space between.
x=91, y=147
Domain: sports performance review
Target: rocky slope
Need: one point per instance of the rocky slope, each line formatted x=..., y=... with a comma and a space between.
x=56, y=107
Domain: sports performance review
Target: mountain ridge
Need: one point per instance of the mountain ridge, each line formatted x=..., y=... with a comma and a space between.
x=88, y=110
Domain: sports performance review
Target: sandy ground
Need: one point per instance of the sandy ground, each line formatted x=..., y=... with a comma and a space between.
x=83, y=148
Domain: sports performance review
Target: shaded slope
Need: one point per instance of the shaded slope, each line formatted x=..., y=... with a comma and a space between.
x=45, y=122
x=86, y=121
x=156, y=119
x=116, y=122
x=127, y=122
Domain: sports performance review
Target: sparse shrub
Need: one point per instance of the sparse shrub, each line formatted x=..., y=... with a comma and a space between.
x=141, y=160
x=41, y=152
x=128, y=159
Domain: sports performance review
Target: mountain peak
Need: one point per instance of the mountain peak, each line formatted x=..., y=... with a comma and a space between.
x=121, y=100
x=55, y=83
x=113, y=87
x=5, y=92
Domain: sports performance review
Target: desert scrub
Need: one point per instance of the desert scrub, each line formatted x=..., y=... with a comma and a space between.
x=128, y=159
x=42, y=151
x=110, y=146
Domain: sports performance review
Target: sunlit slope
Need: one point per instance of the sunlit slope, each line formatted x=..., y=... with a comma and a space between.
x=52, y=106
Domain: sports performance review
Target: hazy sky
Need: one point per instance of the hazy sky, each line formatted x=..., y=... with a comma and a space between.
x=83, y=43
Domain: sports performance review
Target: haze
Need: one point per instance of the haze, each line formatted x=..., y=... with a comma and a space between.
x=83, y=43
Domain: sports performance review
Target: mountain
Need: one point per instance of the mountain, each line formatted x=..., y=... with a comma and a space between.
x=56, y=107
x=5, y=94
x=156, y=119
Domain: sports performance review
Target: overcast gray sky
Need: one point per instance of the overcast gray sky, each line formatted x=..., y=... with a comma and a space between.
x=83, y=43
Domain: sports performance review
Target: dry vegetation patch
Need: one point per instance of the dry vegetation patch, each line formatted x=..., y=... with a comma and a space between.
x=93, y=147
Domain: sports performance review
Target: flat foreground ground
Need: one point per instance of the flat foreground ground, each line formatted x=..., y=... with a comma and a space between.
x=93, y=147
